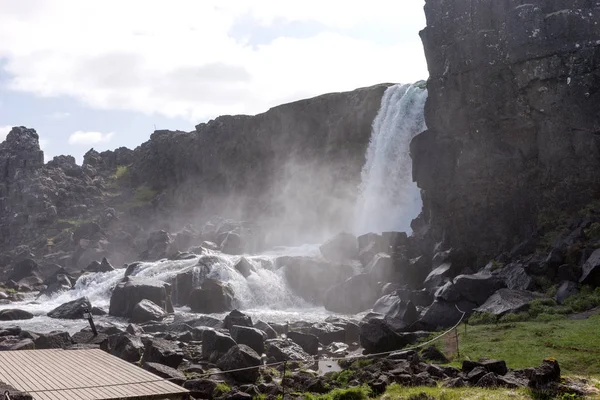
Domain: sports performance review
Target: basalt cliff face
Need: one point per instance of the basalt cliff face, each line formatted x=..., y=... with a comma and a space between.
x=513, y=116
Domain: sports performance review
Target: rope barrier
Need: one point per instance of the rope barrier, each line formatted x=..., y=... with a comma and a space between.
x=284, y=363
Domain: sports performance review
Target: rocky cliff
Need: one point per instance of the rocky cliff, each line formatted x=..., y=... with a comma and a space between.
x=513, y=115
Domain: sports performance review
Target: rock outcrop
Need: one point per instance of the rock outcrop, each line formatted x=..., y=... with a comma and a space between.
x=512, y=116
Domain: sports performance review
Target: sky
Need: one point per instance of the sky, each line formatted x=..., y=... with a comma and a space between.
x=104, y=74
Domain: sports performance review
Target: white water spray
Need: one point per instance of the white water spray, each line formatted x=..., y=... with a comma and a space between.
x=389, y=199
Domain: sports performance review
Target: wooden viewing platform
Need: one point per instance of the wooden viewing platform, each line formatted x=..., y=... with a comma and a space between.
x=89, y=374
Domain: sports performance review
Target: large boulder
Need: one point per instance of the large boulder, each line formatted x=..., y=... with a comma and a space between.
x=377, y=336
x=328, y=333
x=381, y=268
x=516, y=277
x=443, y=314
x=285, y=350
x=53, y=340
x=251, y=337
x=508, y=301
x=215, y=344
x=163, y=352
x=394, y=307
x=310, y=278
x=591, y=270
x=565, y=290
x=125, y=346
x=103, y=266
x=244, y=267
x=165, y=372
x=14, y=314
x=146, y=311
x=24, y=269
x=266, y=328
x=343, y=246
x=241, y=356
x=477, y=288
x=132, y=290
x=237, y=317
x=352, y=296
x=213, y=296
x=308, y=342
x=71, y=310
x=439, y=275
x=61, y=283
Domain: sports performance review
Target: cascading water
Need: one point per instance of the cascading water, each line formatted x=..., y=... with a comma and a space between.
x=388, y=199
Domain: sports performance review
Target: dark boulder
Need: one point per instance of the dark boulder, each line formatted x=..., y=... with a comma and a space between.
x=14, y=314
x=237, y=317
x=232, y=244
x=53, y=340
x=201, y=388
x=86, y=230
x=547, y=372
x=439, y=275
x=266, y=328
x=382, y=269
x=477, y=288
x=103, y=266
x=392, y=306
x=420, y=298
x=213, y=296
x=496, y=366
x=327, y=333
x=24, y=269
x=377, y=336
x=352, y=296
x=165, y=372
x=241, y=356
x=508, y=301
x=125, y=346
x=285, y=350
x=516, y=277
x=61, y=283
x=163, y=352
x=432, y=353
x=244, y=267
x=215, y=344
x=146, y=311
x=15, y=343
x=308, y=342
x=343, y=246
x=127, y=294
x=591, y=270
x=442, y=314
x=568, y=272
x=251, y=337
x=71, y=310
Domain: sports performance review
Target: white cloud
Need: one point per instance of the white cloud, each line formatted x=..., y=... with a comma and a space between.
x=59, y=115
x=4, y=130
x=89, y=138
x=180, y=59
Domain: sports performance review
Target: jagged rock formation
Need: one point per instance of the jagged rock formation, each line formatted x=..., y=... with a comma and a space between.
x=513, y=116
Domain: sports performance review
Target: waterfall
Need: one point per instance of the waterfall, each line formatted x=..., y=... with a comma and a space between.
x=388, y=198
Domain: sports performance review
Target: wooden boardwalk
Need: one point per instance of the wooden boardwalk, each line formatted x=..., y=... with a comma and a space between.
x=82, y=375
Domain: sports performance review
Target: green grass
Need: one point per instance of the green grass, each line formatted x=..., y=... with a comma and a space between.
x=142, y=196
x=354, y=393
x=221, y=389
x=574, y=343
x=397, y=392
x=74, y=222
x=121, y=172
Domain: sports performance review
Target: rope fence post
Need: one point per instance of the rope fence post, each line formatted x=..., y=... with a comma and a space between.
x=283, y=380
x=456, y=336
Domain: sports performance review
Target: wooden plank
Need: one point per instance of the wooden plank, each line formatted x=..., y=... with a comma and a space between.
x=90, y=374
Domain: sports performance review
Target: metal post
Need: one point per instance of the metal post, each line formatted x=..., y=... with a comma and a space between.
x=88, y=315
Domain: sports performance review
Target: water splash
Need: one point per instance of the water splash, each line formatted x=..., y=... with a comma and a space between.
x=388, y=199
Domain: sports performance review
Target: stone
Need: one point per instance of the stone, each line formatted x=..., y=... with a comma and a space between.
x=215, y=344
x=213, y=297
x=201, y=388
x=125, y=346
x=496, y=366
x=53, y=340
x=565, y=290
x=71, y=310
x=285, y=350
x=25, y=269
x=146, y=311
x=378, y=336
x=432, y=353
x=343, y=246
x=477, y=288
x=591, y=270
x=327, y=333
x=266, y=328
x=547, y=372
x=476, y=374
x=129, y=292
x=393, y=307
x=352, y=296
x=163, y=352
x=568, y=272
x=12, y=344
x=244, y=267
x=442, y=314
x=86, y=337
x=381, y=268
x=489, y=380
x=241, y=356
x=135, y=330
x=232, y=244
x=516, y=277
x=508, y=301
x=439, y=276
x=237, y=317
x=166, y=372
x=14, y=314
x=86, y=230
x=308, y=342
x=251, y=337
